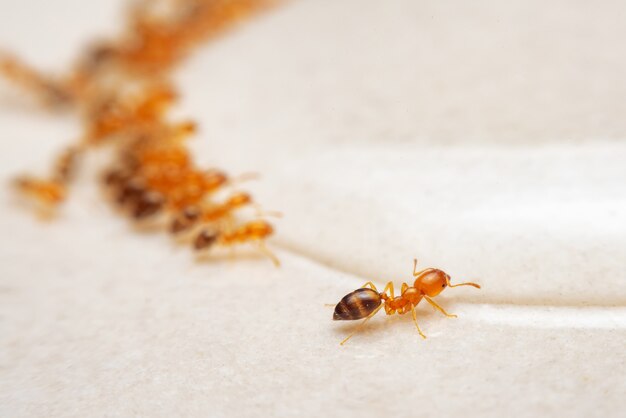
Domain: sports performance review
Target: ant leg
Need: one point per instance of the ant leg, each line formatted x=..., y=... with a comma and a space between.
x=415, y=321
x=227, y=223
x=248, y=176
x=389, y=287
x=404, y=287
x=390, y=296
x=437, y=307
x=268, y=253
x=361, y=325
x=417, y=273
x=244, y=177
x=370, y=284
x=260, y=212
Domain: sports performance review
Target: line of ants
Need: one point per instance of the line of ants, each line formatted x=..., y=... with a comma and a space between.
x=154, y=174
x=122, y=92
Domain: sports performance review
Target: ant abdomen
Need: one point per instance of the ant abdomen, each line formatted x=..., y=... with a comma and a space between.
x=357, y=305
x=131, y=190
x=115, y=177
x=185, y=220
x=205, y=239
x=147, y=204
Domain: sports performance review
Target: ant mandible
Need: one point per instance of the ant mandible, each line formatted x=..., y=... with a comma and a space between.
x=365, y=303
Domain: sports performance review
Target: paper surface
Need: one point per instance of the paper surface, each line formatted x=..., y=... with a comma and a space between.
x=485, y=139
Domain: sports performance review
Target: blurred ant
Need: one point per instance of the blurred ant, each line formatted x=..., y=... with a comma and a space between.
x=123, y=94
x=51, y=191
x=48, y=192
x=365, y=303
x=222, y=212
x=254, y=231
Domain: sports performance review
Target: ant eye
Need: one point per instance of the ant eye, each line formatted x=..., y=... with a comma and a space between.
x=443, y=285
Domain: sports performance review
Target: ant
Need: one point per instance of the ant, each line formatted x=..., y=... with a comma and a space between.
x=51, y=191
x=48, y=192
x=193, y=214
x=254, y=231
x=365, y=303
x=222, y=212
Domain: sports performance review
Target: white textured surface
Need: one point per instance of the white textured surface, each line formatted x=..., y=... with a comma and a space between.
x=485, y=139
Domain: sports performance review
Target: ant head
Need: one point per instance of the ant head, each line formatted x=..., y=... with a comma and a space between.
x=432, y=282
x=259, y=229
x=239, y=199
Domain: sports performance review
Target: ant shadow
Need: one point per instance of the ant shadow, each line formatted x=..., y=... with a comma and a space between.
x=20, y=103
x=148, y=227
x=11, y=102
x=222, y=256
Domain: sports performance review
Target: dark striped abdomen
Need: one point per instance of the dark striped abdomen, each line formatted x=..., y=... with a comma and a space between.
x=357, y=305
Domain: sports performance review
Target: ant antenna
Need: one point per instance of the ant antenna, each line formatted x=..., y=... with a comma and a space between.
x=260, y=212
x=234, y=181
x=417, y=273
x=361, y=325
x=245, y=177
x=266, y=251
x=477, y=286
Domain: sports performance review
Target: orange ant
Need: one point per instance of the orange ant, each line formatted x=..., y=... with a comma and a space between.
x=254, y=231
x=192, y=215
x=365, y=303
x=50, y=192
